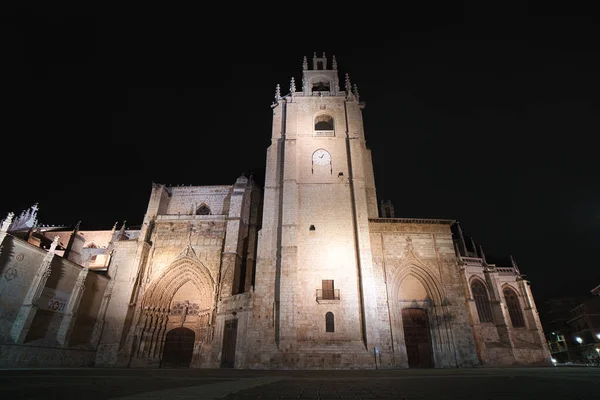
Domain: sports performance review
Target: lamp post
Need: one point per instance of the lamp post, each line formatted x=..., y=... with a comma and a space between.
x=580, y=341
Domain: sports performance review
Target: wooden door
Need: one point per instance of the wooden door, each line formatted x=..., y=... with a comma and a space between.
x=416, y=338
x=229, y=340
x=179, y=348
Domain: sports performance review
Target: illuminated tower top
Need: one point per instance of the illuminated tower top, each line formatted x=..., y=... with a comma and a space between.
x=320, y=80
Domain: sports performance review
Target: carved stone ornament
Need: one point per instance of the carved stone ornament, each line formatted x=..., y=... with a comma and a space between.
x=19, y=257
x=10, y=274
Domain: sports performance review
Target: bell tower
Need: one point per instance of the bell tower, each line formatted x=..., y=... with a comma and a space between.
x=315, y=290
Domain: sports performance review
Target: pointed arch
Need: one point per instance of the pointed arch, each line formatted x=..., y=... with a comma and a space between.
x=480, y=294
x=180, y=272
x=324, y=122
x=430, y=283
x=203, y=209
x=514, y=306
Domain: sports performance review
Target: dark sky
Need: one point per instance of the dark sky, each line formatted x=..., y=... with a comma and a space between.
x=491, y=122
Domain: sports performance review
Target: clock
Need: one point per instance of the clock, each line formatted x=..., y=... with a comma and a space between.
x=321, y=157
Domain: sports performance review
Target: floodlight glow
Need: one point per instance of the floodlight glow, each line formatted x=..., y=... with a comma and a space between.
x=598, y=335
x=579, y=340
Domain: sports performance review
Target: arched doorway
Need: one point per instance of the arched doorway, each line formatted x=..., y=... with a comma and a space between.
x=179, y=347
x=416, y=338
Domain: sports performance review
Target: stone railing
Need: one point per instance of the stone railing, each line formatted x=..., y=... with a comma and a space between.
x=472, y=260
x=328, y=294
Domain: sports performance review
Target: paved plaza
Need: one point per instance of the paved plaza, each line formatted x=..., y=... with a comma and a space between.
x=228, y=384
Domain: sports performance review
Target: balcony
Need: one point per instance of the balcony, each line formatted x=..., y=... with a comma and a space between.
x=328, y=295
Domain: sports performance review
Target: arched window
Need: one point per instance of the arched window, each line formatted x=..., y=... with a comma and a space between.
x=514, y=308
x=329, y=326
x=482, y=301
x=323, y=123
x=203, y=210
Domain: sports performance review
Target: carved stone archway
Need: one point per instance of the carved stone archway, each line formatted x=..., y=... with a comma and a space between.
x=425, y=294
x=155, y=319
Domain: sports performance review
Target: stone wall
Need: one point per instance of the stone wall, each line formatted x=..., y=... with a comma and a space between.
x=415, y=266
x=44, y=323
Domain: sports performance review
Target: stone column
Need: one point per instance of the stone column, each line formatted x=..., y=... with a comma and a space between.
x=29, y=307
x=70, y=316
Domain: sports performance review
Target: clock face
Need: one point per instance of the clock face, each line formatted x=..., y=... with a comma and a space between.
x=321, y=157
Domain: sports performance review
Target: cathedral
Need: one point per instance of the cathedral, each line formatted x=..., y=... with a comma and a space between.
x=310, y=271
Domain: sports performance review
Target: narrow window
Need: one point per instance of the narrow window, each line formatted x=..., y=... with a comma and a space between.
x=482, y=301
x=203, y=210
x=514, y=308
x=328, y=292
x=329, y=325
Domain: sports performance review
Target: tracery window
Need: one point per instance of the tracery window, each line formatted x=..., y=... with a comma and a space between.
x=514, y=308
x=482, y=301
x=329, y=324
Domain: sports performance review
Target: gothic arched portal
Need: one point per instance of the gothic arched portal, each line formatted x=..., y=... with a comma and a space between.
x=181, y=297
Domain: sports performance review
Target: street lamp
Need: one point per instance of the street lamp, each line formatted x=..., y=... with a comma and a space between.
x=598, y=335
x=578, y=339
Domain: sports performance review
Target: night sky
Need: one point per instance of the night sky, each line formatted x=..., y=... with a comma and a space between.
x=492, y=125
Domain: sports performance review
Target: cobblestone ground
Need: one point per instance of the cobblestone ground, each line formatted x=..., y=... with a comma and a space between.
x=126, y=384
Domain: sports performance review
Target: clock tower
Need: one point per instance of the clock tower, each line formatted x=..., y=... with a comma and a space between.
x=315, y=292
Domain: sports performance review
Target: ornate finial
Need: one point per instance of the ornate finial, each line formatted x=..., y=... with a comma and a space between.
x=348, y=86
x=277, y=93
x=7, y=221
x=355, y=91
x=333, y=63
x=292, y=87
x=77, y=226
x=54, y=244
x=305, y=64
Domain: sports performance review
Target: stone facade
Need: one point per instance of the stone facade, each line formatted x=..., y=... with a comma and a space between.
x=302, y=274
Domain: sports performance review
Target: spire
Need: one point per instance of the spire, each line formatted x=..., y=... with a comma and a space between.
x=277, y=93
x=26, y=220
x=355, y=91
x=333, y=63
x=305, y=63
x=461, y=241
x=514, y=265
x=54, y=244
x=122, y=231
x=7, y=221
x=292, y=87
x=473, y=246
x=482, y=254
x=348, y=85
